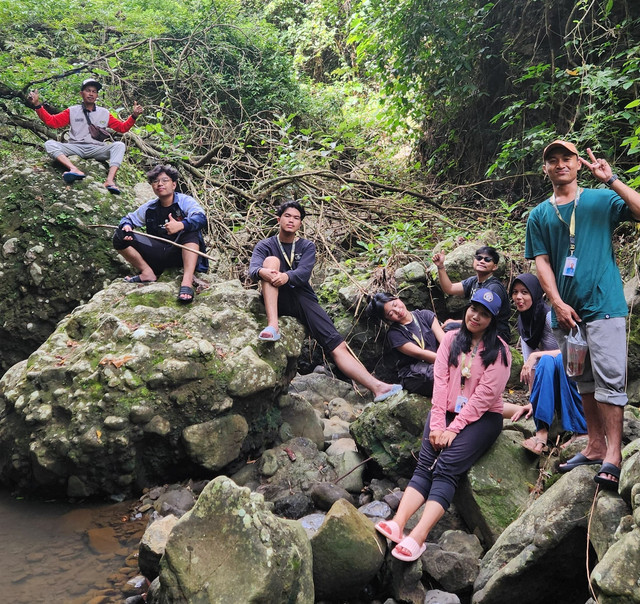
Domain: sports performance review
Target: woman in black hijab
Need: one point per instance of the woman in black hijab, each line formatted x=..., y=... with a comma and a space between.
x=550, y=389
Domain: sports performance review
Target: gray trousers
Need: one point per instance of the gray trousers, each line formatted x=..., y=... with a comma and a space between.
x=111, y=152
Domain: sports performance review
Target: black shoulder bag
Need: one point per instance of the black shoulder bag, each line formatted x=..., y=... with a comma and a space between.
x=96, y=132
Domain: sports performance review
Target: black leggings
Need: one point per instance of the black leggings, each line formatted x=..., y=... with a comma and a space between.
x=468, y=446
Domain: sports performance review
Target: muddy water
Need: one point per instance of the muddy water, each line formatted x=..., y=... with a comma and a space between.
x=58, y=553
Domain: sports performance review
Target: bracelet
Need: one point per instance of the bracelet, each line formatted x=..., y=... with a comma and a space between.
x=38, y=106
x=613, y=179
x=441, y=268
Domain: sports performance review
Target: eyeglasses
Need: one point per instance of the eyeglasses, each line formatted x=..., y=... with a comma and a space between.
x=161, y=181
x=485, y=258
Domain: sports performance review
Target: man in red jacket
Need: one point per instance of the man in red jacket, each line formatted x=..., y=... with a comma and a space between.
x=81, y=142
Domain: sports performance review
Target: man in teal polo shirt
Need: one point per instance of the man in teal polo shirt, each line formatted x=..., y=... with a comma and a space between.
x=569, y=236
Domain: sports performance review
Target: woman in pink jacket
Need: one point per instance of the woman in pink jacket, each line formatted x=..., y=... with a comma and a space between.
x=471, y=371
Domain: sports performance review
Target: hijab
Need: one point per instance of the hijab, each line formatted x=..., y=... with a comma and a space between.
x=531, y=322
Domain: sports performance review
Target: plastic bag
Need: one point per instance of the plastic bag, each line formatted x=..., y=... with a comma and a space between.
x=576, y=352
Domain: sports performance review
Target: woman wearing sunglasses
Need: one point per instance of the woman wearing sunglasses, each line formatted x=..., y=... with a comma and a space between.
x=414, y=336
x=550, y=390
x=471, y=371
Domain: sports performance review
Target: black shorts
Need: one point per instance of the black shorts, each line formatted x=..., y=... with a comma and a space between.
x=158, y=255
x=305, y=308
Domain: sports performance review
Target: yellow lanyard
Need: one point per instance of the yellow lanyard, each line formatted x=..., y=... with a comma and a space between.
x=572, y=225
x=288, y=260
x=419, y=341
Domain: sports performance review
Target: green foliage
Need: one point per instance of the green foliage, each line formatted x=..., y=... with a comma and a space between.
x=399, y=239
x=194, y=64
x=584, y=94
x=422, y=54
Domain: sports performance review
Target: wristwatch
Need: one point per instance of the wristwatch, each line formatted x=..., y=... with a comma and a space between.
x=613, y=179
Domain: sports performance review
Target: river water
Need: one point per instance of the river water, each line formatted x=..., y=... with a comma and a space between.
x=60, y=553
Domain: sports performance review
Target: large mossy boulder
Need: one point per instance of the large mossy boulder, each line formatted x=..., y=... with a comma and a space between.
x=347, y=553
x=391, y=432
x=49, y=260
x=497, y=487
x=542, y=555
x=231, y=548
x=134, y=389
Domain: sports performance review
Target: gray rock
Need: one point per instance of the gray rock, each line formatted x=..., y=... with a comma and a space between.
x=616, y=575
x=608, y=511
x=318, y=389
x=326, y=494
x=340, y=408
x=412, y=272
x=153, y=593
x=56, y=263
x=294, y=506
x=630, y=470
x=350, y=469
x=489, y=497
x=340, y=446
x=115, y=423
x=176, y=502
x=405, y=580
x=256, y=556
x=301, y=418
x=393, y=499
x=345, y=537
x=117, y=384
x=249, y=373
x=381, y=487
x=391, y=432
x=461, y=543
x=631, y=430
x=216, y=443
x=312, y=523
x=376, y=510
x=456, y=572
x=140, y=414
x=335, y=429
x=295, y=466
x=152, y=545
x=542, y=554
x=436, y=596
x=158, y=425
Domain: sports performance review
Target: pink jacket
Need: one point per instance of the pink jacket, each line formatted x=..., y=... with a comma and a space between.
x=483, y=389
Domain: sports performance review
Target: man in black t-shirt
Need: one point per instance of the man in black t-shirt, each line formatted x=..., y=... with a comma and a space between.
x=283, y=265
x=485, y=263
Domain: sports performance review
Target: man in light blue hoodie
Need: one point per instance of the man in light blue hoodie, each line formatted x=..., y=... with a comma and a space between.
x=173, y=216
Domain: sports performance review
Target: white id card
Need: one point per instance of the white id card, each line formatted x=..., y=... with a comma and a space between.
x=570, y=263
x=461, y=401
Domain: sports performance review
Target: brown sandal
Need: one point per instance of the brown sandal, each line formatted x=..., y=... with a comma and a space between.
x=536, y=445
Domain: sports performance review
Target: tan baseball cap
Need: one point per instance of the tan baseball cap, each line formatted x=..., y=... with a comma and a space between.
x=559, y=143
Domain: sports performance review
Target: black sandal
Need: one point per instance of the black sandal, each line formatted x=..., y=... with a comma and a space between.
x=185, y=290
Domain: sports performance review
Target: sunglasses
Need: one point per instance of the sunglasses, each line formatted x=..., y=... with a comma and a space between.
x=485, y=258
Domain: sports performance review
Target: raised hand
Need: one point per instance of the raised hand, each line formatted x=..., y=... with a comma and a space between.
x=34, y=97
x=600, y=168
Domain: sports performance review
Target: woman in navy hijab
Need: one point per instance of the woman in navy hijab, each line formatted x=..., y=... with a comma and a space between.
x=550, y=390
